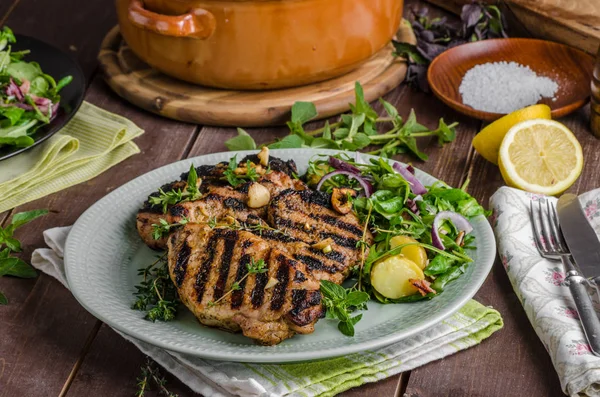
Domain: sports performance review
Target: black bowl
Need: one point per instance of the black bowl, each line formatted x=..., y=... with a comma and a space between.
x=57, y=64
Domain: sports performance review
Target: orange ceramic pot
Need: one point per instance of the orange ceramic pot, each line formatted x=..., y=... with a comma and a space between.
x=257, y=44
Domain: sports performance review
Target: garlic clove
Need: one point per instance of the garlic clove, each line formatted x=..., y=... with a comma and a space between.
x=258, y=195
x=263, y=156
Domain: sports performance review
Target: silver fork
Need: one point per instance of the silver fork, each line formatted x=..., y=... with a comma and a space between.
x=551, y=245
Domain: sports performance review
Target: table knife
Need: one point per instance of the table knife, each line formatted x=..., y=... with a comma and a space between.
x=585, y=251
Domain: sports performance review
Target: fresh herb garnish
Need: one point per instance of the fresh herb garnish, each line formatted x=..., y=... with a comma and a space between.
x=436, y=35
x=254, y=267
x=151, y=375
x=29, y=98
x=340, y=303
x=236, y=176
x=11, y=265
x=355, y=131
x=176, y=196
x=163, y=228
x=156, y=294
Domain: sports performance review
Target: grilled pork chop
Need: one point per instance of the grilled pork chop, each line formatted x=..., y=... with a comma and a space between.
x=308, y=216
x=220, y=200
x=269, y=307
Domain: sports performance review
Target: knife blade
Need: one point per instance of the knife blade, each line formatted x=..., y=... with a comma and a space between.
x=579, y=235
x=585, y=249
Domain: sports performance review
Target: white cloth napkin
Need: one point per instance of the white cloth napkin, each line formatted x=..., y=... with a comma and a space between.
x=468, y=327
x=541, y=288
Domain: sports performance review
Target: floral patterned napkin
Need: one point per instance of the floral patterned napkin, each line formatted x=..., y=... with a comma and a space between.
x=541, y=288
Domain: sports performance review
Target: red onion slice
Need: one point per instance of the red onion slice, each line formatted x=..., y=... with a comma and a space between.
x=342, y=165
x=367, y=187
x=461, y=223
x=415, y=185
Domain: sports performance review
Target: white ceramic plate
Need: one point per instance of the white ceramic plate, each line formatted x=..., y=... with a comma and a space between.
x=104, y=251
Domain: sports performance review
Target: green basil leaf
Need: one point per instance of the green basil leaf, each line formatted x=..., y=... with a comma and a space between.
x=22, y=218
x=332, y=291
x=445, y=134
x=356, y=298
x=407, y=50
x=324, y=143
x=17, y=268
x=361, y=105
x=346, y=328
x=326, y=131
x=389, y=108
x=243, y=141
x=361, y=140
x=303, y=112
x=13, y=244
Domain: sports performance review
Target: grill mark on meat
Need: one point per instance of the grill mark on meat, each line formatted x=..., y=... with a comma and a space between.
x=204, y=271
x=275, y=235
x=230, y=237
x=315, y=264
x=332, y=220
x=299, y=277
x=341, y=240
x=246, y=244
x=283, y=278
x=335, y=256
x=178, y=210
x=181, y=263
x=237, y=297
x=300, y=303
x=234, y=204
x=258, y=293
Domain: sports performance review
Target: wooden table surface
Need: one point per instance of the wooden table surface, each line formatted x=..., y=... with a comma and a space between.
x=49, y=344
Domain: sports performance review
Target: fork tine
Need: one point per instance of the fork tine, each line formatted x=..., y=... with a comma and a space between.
x=545, y=229
x=554, y=232
x=561, y=238
x=536, y=228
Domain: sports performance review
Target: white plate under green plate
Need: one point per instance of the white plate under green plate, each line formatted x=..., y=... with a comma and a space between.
x=104, y=251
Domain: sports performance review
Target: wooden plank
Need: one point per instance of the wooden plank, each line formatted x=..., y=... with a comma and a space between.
x=70, y=25
x=47, y=328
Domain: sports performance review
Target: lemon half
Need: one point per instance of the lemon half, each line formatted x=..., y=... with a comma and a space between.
x=540, y=156
x=488, y=141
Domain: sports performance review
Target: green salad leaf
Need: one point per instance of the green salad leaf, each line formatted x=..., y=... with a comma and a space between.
x=29, y=98
x=355, y=131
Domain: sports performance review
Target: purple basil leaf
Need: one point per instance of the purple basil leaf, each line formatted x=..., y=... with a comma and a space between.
x=470, y=15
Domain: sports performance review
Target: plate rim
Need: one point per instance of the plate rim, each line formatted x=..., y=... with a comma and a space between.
x=53, y=129
x=277, y=357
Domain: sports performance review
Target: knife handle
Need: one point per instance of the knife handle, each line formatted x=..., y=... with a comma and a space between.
x=587, y=315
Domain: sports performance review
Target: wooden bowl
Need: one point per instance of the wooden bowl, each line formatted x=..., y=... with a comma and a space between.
x=569, y=67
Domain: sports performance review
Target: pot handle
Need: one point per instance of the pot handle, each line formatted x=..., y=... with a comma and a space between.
x=197, y=23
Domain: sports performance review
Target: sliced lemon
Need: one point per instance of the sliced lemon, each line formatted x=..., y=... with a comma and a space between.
x=488, y=141
x=540, y=156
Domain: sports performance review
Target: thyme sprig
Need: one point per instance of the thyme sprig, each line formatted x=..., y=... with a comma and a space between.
x=254, y=267
x=163, y=228
x=151, y=374
x=156, y=294
x=236, y=175
x=176, y=196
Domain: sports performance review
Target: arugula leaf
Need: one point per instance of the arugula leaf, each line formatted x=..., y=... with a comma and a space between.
x=13, y=114
x=438, y=265
x=243, y=141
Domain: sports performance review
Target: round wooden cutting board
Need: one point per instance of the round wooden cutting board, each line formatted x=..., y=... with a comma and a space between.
x=151, y=90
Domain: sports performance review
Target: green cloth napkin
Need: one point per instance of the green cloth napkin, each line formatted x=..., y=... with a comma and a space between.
x=92, y=142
